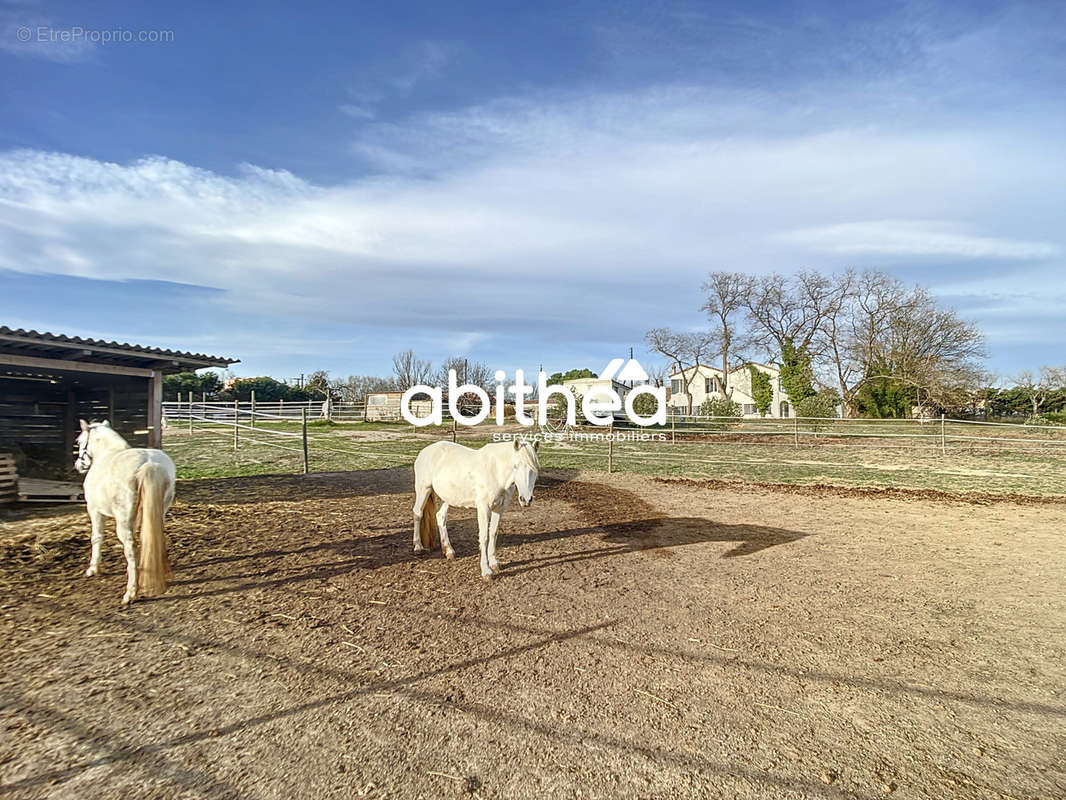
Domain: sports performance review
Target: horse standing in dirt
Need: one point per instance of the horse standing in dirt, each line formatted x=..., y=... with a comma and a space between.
x=122, y=482
x=448, y=474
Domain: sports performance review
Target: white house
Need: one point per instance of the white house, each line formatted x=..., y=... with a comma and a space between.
x=584, y=386
x=705, y=382
x=595, y=386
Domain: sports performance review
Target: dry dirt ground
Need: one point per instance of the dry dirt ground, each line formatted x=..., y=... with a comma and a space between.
x=647, y=639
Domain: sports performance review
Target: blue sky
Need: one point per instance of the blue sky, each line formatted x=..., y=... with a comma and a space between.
x=319, y=187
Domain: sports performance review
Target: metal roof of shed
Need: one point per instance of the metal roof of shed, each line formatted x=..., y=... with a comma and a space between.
x=41, y=344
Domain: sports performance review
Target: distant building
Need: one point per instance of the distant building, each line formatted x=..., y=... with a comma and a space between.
x=385, y=406
x=705, y=382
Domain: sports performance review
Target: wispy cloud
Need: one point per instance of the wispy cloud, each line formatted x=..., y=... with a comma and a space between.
x=396, y=76
x=25, y=32
x=923, y=238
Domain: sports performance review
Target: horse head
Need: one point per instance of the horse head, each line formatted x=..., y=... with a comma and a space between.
x=525, y=467
x=95, y=437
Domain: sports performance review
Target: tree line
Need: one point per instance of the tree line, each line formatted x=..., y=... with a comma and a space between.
x=865, y=341
x=408, y=370
x=862, y=340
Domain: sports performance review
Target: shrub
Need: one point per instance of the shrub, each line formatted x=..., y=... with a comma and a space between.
x=822, y=404
x=719, y=407
x=1051, y=418
x=645, y=405
x=558, y=406
x=762, y=391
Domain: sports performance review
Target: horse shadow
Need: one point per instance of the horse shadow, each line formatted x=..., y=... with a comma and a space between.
x=657, y=536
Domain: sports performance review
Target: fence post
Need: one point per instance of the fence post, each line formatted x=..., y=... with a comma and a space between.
x=673, y=429
x=796, y=430
x=453, y=429
x=236, y=434
x=610, y=449
x=190, y=413
x=281, y=407
x=252, y=423
x=303, y=429
x=943, y=440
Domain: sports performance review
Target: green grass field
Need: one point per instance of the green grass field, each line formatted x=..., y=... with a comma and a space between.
x=819, y=458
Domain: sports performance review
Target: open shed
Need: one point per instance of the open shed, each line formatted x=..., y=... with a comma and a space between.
x=49, y=381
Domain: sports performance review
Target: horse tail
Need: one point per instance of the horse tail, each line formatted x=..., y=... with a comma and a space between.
x=153, y=566
x=428, y=531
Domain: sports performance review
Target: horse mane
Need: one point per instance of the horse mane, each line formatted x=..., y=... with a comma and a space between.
x=530, y=455
x=111, y=437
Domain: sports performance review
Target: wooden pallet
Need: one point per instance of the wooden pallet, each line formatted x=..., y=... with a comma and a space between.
x=36, y=490
x=9, y=479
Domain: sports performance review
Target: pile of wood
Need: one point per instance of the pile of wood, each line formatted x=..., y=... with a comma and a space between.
x=9, y=479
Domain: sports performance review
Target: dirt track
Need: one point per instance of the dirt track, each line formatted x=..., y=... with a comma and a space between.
x=646, y=639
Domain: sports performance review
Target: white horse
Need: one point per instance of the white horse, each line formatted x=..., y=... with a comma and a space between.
x=448, y=474
x=121, y=481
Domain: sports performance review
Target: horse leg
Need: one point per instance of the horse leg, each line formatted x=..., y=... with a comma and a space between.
x=442, y=523
x=98, y=542
x=421, y=495
x=494, y=526
x=126, y=527
x=483, y=522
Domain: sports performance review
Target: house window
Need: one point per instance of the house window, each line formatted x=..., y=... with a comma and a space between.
x=784, y=409
x=749, y=408
x=676, y=386
x=377, y=400
x=708, y=385
x=780, y=384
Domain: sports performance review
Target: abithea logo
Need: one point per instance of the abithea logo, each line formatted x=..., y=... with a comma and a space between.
x=598, y=405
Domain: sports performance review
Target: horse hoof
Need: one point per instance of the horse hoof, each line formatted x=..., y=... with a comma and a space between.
x=495, y=569
x=487, y=578
x=90, y=573
x=419, y=550
x=127, y=598
x=449, y=554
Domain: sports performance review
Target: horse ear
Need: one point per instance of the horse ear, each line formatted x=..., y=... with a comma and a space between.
x=84, y=425
x=106, y=423
x=536, y=445
x=517, y=444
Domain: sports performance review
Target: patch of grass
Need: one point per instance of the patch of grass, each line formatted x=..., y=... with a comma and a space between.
x=886, y=463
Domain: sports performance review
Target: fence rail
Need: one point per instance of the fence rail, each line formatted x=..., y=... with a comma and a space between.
x=293, y=410
x=283, y=437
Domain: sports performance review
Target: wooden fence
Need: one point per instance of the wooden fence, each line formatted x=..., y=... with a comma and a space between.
x=294, y=410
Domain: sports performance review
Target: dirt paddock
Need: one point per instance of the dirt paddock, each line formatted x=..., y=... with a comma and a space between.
x=647, y=639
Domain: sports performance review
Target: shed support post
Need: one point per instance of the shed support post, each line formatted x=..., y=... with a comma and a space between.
x=69, y=418
x=155, y=409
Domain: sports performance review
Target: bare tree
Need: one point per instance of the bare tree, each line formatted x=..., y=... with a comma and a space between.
x=355, y=388
x=409, y=370
x=1038, y=389
x=854, y=325
x=789, y=311
x=685, y=351
x=930, y=349
x=467, y=371
x=657, y=373
x=726, y=295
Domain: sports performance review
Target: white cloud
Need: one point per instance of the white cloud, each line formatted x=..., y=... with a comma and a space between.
x=896, y=237
x=593, y=215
